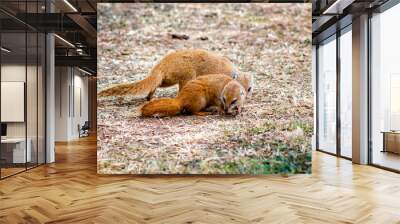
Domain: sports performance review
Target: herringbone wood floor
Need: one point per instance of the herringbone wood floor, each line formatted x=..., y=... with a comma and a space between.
x=70, y=191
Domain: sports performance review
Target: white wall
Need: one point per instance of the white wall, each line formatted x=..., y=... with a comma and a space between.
x=33, y=126
x=62, y=81
x=70, y=84
x=13, y=73
x=9, y=73
x=81, y=94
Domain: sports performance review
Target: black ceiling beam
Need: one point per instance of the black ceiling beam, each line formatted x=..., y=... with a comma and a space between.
x=77, y=61
x=327, y=25
x=86, y=27
x=325, y=34
x=322, y=23
x=17, y=21
x=56, y=22
x=88, y=51
x=49, y=22
x=8, y=24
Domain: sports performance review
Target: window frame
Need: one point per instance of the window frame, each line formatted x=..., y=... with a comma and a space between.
x=381, y=9
x=30, y=30
x=338, y=34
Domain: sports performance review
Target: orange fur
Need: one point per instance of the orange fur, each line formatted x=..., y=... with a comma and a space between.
x=196, y=96
x=178, y=67
x=162, y=107
x=146, y=86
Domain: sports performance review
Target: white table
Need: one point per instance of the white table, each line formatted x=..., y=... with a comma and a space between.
x=18, y=145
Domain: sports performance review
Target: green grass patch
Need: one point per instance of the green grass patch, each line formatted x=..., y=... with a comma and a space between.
x=287, y=158
x=307, y=127
x=292, y=163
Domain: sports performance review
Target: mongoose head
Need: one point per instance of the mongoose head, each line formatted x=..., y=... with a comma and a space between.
x=247, y=82
x=233, y=97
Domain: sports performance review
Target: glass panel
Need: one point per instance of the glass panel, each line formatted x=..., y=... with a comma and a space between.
x=327, y=96
x=13, y=86
x=346, y=93
x=41, y=99
x=31, y=100
x=23, y=87
x=386, y=89
x=32, y=90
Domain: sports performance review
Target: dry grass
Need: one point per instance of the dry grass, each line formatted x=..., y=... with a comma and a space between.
x=272, y=135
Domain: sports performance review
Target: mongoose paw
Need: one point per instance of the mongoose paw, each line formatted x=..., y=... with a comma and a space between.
x=213, y=109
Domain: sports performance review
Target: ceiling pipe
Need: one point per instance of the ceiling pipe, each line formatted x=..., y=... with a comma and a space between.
x=70, y=6
x=64, y=41
x=5, y=50
x=84, y=71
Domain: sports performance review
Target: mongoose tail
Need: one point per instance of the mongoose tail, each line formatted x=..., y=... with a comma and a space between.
x=145, y=87
x=177, y=67
x=162, y=108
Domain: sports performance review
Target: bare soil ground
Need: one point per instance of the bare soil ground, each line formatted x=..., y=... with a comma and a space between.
x=271, y=135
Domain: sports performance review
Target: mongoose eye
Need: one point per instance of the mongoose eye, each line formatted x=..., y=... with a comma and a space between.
x=249, y=89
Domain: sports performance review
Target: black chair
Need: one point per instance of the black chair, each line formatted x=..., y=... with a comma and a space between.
x=84, y=130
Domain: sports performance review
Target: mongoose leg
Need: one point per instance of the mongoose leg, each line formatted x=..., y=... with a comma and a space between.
x=180, y=86
x=150, y=95
x=196, y=105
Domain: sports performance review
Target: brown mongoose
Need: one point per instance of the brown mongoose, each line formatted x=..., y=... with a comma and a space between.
x=177, y=67
x=216, y=90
